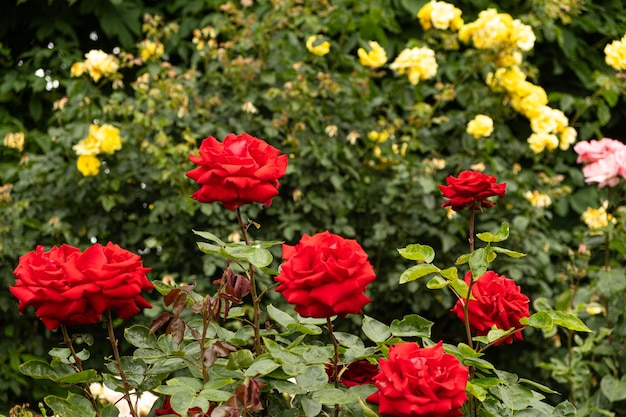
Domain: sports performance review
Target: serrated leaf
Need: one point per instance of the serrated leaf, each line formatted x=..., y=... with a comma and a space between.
x=411, y=325
x=215, y=395
x=331, y=396
x=568, y=320
x=508, y=252
x=476, y=391
x=209, y=236
x=280, y=316
x=261, y=367
x=499, y=236
x=539, y=320
x=479, y=262
x=38, y=370
x=450, y=273
x=417, y=271
x=310, y=406
x=437, y=282
x=417, y=252
x=140, y=336
x=259, y=257
x=72, y=406
x=375, y=330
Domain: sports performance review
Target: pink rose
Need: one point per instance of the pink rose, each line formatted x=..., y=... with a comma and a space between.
x=595, y=150
x=608, y=170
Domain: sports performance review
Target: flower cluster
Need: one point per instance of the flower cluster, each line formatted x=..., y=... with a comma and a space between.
x=149, y=49
x=604, y=161
x=597, y=218
x=67, y=286
x=500, y=34
x=480, y=126
x=101, y=139
x=550, y=126
x=97, y=64
x=374, y=58
x=440, y=15
x=418, y=63
x=317, y=47
x=615, y=54
x=14, y=141
x=537, y=199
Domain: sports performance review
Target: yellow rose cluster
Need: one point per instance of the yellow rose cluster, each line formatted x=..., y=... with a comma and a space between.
x=101, y=139
x=597, y=218
x=97, y=64
x=149, y=49
x=14, y=141
x=500, y=33
x=418, y=63
x=480, y=126
x=615, y=54
x=550, y=126
x=440, y=15
x=537, y=199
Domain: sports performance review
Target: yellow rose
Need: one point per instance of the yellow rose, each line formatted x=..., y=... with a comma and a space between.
x=14, y=141
x=98, y=63
x=615, y=54
x=537, y=199
x=90, y=146
x=320, y=49
x=88, y=165
x=417, y=63
x=375, y=58
x=568, y=136
x=149, y=49
x=480, y=126
x=597, y=218
x=539, y=142
x=107, y=136
x=78, y=69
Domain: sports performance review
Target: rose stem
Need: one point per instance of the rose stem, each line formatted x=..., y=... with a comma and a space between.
x=329, y=325
x=79, y=366
x=253, y=293
x=118, y=361
x=468, y=331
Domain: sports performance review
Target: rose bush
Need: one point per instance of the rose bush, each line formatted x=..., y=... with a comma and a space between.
x=240, y=170
x=325, y=275
x=425, y=382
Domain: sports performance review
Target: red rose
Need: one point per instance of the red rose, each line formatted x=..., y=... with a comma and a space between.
x=325, y=275
x=424, y=382
x=241, y=170
x=114, y=280
x=357, y=373
x=471, y=189
x=43, y=281
x=498, y=302
x=67, y=287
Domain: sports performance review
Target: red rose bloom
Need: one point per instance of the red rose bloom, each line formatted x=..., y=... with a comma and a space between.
x=241, y=170
x=420, y=382
x=325, y=275
x=357, y=373
x=67, y=287
x=498, y=302
x=471, y=189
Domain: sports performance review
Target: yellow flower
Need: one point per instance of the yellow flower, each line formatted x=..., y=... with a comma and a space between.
x=320, y=49
x=88, y=165
x=537, y=199
x=597, y=218
x=417, y=63
x=98, y=63
x=615, y=54
x=480, y=126
x=539, y=142
x=378, y=137
x=78, y=69
x=568, y=136
x=149, y=49
x=89, y=146
x=440, y=15
x=108, y=137
x=14, y=141
x=375, y=58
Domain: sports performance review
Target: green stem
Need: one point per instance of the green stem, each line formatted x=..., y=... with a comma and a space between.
x=255, y=298
x=335, y=363
x=472, y=409
x=79, y=367
x=118, y=362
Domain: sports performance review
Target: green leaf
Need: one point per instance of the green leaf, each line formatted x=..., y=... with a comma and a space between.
x=437, y=282
x=538, y=386
x=613, y=389
x=280, y=316
x=209, y=236
x=476, y=391
x=140, y=336
x=313, y=379
x=72, y=406
x=417, y=271
x=479, y=262
x=450, y=273
x=508, y=252
x=310, y=406
x=564, y=409
x=411, y=325
x=539, y=320
x=331, y=395
x=215, y=395
x=501, y=234
x=84, y=377
x=192, y=384
x=417, y=252
x=257, y=256
x=38, y=370
x=463, y=259
x=461, y=288
x=109, y=411
x=349, y=340
x=240, y=359
x=261, y=367
x=611, y=282
x=568, y=320
x=183, y=401
x=375, y=330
